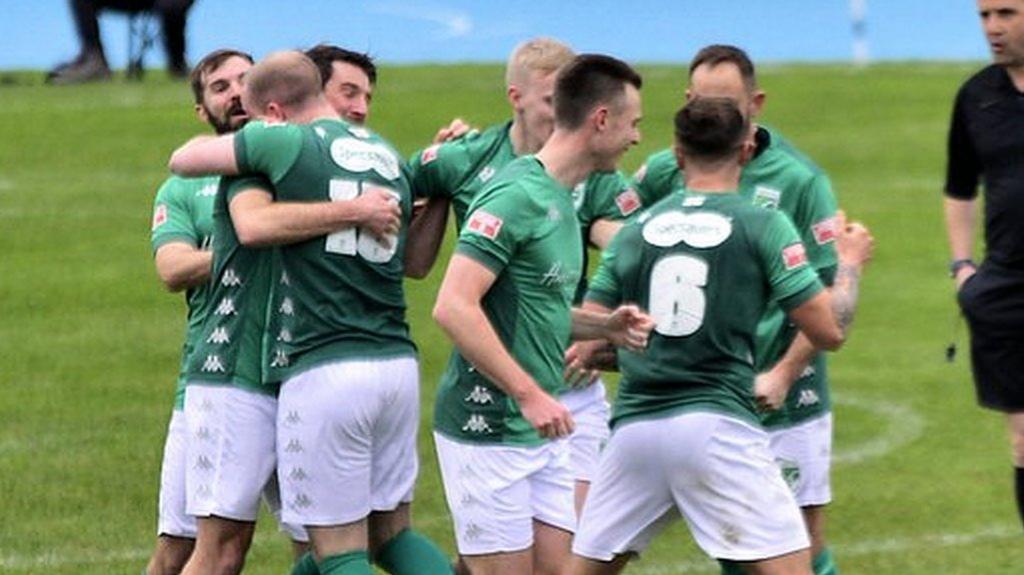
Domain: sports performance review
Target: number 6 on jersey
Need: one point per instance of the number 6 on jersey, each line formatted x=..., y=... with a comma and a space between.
x=677, y=298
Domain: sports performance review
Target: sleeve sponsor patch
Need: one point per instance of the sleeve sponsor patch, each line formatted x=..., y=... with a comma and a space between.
x=628, y=201
x=794, y=256
x=484, y=224
x=159, y=216
x=825, y=231
x=429, y=155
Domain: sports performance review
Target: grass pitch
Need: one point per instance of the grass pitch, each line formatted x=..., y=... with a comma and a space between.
x=89, y=340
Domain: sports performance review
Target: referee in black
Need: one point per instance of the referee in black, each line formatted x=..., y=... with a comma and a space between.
x=986, y=144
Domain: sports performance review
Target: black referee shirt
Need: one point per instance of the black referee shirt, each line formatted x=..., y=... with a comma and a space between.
x=986, y=142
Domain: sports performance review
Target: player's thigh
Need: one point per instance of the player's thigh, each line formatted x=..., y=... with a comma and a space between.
x=730, y=490
x=173, y=518
x=552, y=548
x=803, y=453
x=630, y=499
x=488, y=492
x=230, y=450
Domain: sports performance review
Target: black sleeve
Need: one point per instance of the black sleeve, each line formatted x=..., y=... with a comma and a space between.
x=962, y=168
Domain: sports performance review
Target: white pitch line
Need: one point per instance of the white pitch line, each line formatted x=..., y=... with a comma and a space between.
x=903, y=425
x=889, y=545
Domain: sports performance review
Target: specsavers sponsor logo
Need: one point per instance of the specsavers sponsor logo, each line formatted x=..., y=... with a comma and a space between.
x=698, y=229
x=359, y=156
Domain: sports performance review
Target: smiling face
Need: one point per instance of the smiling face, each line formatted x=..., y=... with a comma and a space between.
x=349, y=91
x=1003, y=24
x=621, y=128
x=221, y=105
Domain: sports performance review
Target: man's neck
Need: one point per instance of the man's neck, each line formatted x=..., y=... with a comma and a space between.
x=721, y=181
x=522, y=141
x=313, y=113
x=566, y=158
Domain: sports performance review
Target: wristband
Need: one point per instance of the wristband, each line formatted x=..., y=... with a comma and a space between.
x=956, y=265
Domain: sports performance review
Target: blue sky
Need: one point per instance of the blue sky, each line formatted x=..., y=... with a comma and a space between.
x=39, y=33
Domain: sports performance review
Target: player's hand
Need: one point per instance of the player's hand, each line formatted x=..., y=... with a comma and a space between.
x=456, y=129
x=546, y=414
x=770, y=390
x=578, y=373
x=629, y=327
x=854, y=243
x=380, y=214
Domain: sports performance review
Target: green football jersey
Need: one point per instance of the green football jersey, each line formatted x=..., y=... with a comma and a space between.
x=705, y=266
x=778, y=177
x=230, y=347
x=523, y=228
x=338, y=296
x=183, y=212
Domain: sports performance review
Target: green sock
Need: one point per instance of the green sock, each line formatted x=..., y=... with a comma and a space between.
x=731, y=568
x=410, y=553
x=824, y=564
x=306, y=565
x=351, y=563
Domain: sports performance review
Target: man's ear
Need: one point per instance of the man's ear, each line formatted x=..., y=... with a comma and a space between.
x=274, y=112
x=600, y=118
x=758, y=101
x=747, y=149
x=514, y=95
x=201, y=113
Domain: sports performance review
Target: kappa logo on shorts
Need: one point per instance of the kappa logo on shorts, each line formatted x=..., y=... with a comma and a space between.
x=293, y=447
x=429, y=155
x=302, y=501
x=794, y=256
x=484, y=224
x=203, y=463
x=292, y=418
x=473, y=531
x=359, y=156
x=628, y=201
x=298, y=474
x=159, y=216
x=204, y=434
x=825, y=231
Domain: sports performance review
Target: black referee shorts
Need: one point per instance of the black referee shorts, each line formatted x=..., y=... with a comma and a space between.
x=993, y=303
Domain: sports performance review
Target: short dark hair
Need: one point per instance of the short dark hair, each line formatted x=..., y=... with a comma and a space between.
x=210, y=63
x=586, y=81
x=325, y=55
x=710, y=129
x=716, y=54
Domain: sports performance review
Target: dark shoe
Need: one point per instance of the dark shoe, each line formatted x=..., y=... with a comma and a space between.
x=179, y=71
x=86, y=68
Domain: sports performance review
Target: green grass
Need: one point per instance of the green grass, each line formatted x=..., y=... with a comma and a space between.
x=89, y=340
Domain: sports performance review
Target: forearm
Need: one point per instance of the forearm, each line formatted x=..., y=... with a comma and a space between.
x=845, y=292
x=603, y=231
x=589, y=322
x=796, y=359
x=184, y=267
x=277, y=223
x=469, y=329
x=205, y=155
x=426, y=232
x=960, y=226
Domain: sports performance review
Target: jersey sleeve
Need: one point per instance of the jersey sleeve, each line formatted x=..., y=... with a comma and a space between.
x=498, y=221
x=791, y=278
x=817, y=214
x=656, y=177
x=611, y=196
x=234, y=185
x=173, y=219
x=436, y=170
x=268, y=149
x=963, y=167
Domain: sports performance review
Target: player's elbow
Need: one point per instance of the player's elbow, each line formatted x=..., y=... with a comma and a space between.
x=250, y=233
x=444, y=313
x=829, y=340
x=416, y=271
x=173, y=282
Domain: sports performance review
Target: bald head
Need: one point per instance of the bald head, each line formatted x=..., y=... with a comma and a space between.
x=288, y=79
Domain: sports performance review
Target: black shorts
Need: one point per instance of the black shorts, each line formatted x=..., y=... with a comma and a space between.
x=993, y=303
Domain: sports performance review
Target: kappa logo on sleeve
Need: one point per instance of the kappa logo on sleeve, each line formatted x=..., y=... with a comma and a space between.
x=484, y=224
x=159, y=216
x=794, y=256
x=429, y=155
x=825, y=231
x=628, y=201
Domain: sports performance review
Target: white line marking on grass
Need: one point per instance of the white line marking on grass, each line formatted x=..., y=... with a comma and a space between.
x=6, y=185
x=929, y=541
x=52, y=559
x=903, y=425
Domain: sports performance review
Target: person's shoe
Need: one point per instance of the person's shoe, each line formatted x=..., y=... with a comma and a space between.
x=178, y=71
x=91, y=67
